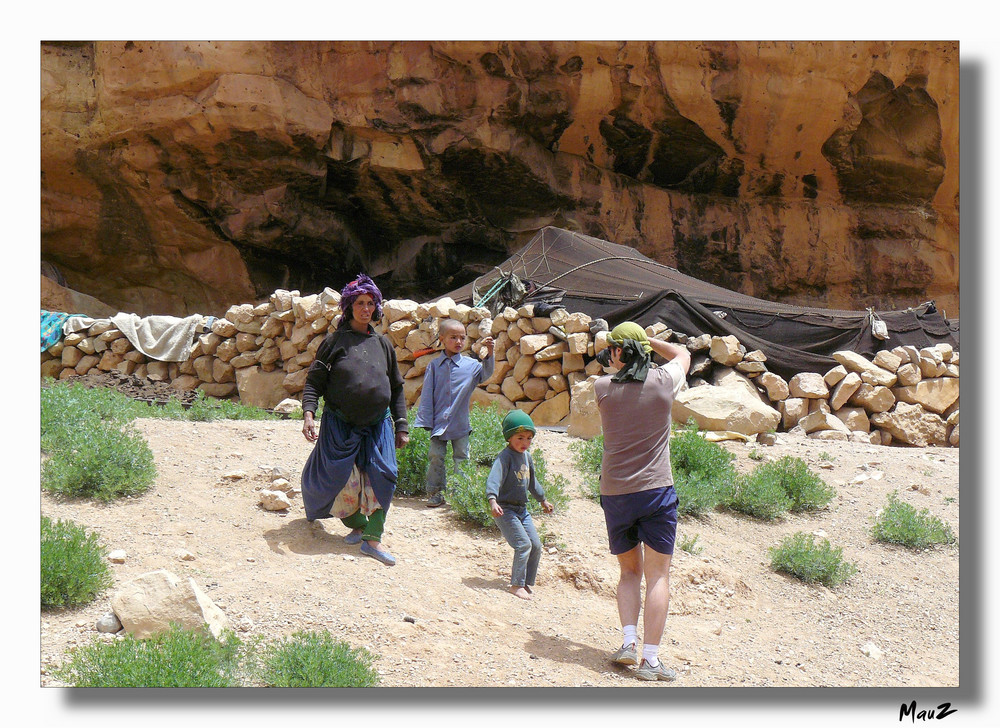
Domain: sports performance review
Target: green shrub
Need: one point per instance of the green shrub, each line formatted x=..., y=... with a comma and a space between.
x=806, y=490
x=587, y=456
x=177, y=658
x=466, y=492
x=73, y=568
x=803, y=558
x=412, y=459
x=316, y=660
x=99, y=459
x=204, y=409
x=690, y=544
x=901, y=523
x=486, y=440
x=759, y=494
x=703, y=471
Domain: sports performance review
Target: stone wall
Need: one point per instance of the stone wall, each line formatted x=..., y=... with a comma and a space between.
x=545, y=365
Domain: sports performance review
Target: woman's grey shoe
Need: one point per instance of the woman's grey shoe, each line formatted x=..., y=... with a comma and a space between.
x=384, y=556
x=353, y=538
x=645, y=671
x=626, y=655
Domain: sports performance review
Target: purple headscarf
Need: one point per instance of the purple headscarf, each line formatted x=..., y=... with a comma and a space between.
x=361, y=285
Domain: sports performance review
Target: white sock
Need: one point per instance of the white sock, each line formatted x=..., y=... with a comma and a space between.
x=649, y=654
x=630, y=636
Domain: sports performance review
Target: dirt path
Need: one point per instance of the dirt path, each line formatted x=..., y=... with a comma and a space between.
x=733, y=622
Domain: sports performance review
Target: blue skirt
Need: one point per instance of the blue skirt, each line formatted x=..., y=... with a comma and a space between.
x=340, y=446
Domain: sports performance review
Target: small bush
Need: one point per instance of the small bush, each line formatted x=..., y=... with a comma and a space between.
x=690, y=544
x=177, y=658
x=486, y=440
x=803, y=558
x=759, y=494
x=316, y=660
x=73, y=568
x=588, y=455
x=100, y=459
x=205, y=409
x=901, y=523
x=466, y=493
x=805, y=490
x=412, y=460
x=703, y=471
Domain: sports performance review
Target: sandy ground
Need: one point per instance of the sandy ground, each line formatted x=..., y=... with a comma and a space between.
x=442, y=615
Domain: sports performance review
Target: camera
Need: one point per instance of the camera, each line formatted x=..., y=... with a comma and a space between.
x=604, y=357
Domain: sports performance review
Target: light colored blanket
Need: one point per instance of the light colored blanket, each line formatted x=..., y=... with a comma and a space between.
x=164, y=338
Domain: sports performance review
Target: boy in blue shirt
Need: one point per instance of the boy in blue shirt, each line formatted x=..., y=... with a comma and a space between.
x=444, y=403
x=507, y=488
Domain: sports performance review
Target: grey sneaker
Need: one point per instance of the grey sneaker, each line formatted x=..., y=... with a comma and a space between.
x=435, y=500
x=645, y=671
x=626, y=655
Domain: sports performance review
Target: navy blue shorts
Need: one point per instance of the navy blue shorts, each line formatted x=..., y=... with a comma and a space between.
x=649, y=517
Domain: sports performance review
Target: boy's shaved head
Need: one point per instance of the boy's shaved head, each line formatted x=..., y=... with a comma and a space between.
x=450, y=324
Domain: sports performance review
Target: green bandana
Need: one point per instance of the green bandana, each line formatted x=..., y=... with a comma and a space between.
x=631, y=337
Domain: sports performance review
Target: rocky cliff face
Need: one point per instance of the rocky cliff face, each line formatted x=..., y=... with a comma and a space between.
x=179, y=177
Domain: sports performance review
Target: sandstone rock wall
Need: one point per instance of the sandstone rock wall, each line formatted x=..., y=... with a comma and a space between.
x=180, y=176
x=546, y=366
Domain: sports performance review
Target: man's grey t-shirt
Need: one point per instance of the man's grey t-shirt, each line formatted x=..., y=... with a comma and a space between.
x=635, y=417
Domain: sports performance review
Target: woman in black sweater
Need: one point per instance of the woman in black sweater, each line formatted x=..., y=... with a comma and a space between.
x=351, y=474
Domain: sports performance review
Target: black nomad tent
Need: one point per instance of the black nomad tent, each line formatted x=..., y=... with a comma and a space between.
x=617, y=283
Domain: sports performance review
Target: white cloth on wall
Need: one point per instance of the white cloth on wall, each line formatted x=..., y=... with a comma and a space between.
x=164, y=338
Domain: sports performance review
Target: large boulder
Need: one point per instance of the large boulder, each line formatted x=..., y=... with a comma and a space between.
x=552, y=411
x=262, y=389
x=913, y=425
x=725, y=408
x=150, y=603
x=584, y=416
x=935, y=395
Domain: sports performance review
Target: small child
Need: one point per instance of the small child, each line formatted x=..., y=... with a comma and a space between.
x=444, y=403
x=507, y=488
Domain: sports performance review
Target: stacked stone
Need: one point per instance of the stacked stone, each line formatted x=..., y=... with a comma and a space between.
x=545, y=366
x=538, y=358
x=104, y=348
x=277, y=338
x=906, y=395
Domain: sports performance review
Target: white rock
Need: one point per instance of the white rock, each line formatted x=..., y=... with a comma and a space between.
x=725, y=408
x=808, y=385
x=870, y=649
x=584, y=417
x=288, y=406
x=150, y=603
x=274, y=500
x=117, y=556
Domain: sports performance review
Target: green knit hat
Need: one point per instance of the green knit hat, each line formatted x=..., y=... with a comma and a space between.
x=517, y=421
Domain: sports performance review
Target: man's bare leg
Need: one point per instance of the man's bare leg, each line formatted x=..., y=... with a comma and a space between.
x=629, y=584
